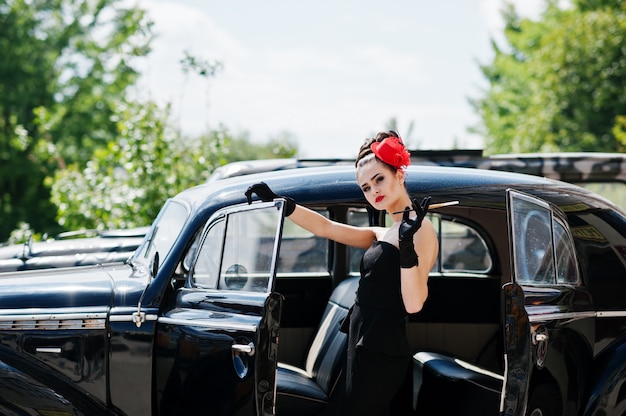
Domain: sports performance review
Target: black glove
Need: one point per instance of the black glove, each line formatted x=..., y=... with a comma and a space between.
x=408, y=228
x=266, y=195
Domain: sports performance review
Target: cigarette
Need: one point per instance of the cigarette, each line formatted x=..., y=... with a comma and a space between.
x=433, y=206
x=442, y=204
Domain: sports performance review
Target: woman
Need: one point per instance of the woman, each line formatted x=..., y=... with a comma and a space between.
x=393, y=277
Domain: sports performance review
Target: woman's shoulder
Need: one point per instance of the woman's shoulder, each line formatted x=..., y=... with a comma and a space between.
x=386, y=234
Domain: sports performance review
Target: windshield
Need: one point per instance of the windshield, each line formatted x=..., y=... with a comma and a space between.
x=163, y=233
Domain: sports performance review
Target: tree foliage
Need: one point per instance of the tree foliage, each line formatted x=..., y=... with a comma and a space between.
x=64, y=65
x=560, y=82
x=126, y=183
x=75, y=153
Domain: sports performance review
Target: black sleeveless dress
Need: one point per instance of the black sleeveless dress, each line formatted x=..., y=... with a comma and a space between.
x=378, y=349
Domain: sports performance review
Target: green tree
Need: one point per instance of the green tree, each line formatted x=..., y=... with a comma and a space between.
x=65, y=65
x=126, y=183
x=559, y=83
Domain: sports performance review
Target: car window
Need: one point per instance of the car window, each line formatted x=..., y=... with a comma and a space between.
x=462, y=249
x=206, y=269
x=566, y=272
x=237, y=251
x=164, y=232
x=542, y=249
x=532, y=235
x=302, y=251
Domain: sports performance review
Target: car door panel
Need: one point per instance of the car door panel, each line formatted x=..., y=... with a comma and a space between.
x=210, y=355
x=219, y=342
x=549, y=317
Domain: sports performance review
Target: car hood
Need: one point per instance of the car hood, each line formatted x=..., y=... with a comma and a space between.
x=74, y=287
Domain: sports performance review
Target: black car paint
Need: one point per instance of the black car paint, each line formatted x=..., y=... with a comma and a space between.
x=131, y=369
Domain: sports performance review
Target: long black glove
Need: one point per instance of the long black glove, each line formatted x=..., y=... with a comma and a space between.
x=266, y=195
x=408, y=228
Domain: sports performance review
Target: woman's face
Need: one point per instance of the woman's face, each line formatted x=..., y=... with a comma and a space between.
x=383, y=188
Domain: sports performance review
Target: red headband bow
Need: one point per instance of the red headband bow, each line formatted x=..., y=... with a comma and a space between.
x=392, y=151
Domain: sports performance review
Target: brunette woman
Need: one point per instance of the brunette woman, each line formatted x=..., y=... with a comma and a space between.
x=394, y=279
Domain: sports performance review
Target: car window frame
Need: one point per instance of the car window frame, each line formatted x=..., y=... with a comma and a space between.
x=222, y=216
x=151, y=248
x=519, y=248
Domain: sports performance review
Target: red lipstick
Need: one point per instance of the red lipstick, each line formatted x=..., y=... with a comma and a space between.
x=379, y=198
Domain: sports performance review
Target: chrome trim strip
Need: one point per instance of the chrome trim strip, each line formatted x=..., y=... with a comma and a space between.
x=611, y=314
x=49, y=319
x=52, y=322
x=560, y=316
x=53, y=350
x=131, y=318
x=208, y=324
x=87, y=310
x=52, y=317
x=575, y=315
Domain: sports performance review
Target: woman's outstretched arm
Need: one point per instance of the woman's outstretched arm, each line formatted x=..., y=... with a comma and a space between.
x=361, y=237
x=314, y=222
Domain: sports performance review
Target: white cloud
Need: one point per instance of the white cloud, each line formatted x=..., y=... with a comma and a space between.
x=332, y=85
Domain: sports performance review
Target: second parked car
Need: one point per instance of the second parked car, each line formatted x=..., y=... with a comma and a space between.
x=78, y=248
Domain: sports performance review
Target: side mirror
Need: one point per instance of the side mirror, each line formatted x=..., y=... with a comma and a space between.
x=236, y=277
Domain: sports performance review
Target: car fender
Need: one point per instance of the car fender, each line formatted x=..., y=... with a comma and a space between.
x=607, y=393
x=23, y=394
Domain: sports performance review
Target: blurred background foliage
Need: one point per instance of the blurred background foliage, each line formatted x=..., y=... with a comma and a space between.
x=77, y=153
x=559, y=83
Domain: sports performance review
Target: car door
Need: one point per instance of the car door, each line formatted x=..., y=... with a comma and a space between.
x=216, y=349
x=548, y=314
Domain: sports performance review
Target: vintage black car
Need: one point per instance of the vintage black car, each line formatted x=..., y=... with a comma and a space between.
x=602, y=173
x=228, y=308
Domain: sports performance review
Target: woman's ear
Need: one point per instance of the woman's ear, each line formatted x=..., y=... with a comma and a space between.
x=400, y=174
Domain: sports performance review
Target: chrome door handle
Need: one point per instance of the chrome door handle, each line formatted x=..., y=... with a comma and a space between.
x=538, y=337
x=247, y=349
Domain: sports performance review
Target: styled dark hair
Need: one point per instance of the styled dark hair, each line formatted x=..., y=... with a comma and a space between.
x=366, y=149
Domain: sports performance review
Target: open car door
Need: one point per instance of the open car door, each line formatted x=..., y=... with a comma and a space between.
x=216, y=349
x=539, y=312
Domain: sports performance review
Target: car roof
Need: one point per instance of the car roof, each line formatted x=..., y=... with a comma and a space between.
x=566, y=166
x=337, y=183
x=248, y=167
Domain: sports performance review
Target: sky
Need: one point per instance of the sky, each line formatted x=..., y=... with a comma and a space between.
x=329, y=73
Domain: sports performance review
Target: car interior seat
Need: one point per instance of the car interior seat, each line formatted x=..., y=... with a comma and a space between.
x=437, y=377
x=309, y=390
